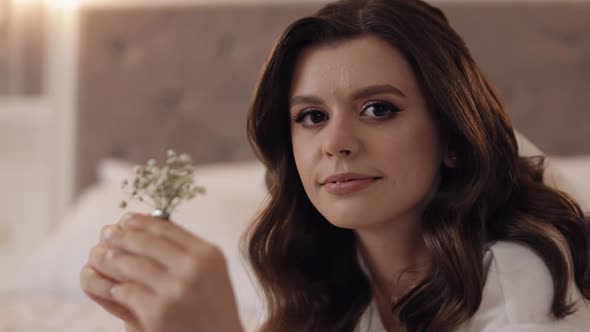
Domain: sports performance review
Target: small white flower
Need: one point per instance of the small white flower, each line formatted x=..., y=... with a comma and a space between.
x=185, y=158
x=170, y=153
x=167, y=186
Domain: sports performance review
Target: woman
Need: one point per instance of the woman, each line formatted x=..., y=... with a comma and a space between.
x=397, y=199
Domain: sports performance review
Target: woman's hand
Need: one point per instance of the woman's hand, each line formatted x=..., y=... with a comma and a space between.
x=98, y=286
x=169, y=279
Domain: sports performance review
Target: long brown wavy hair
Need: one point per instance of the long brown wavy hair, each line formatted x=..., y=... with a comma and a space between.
x=308, y=268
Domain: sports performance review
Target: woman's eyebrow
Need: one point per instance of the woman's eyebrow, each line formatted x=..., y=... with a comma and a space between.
x=361, y=93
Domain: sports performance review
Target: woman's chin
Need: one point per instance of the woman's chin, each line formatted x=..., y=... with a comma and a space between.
x=356, y=219
x=349, y=222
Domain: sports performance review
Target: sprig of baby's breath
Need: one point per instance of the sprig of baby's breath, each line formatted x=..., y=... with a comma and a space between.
x=163, y=188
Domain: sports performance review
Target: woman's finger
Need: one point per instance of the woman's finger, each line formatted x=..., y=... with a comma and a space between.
x=98, y=288
x=107, y=230
x=93, y=283
x=123, y=267
x=97, y=259
x=168, y=230
x=141, y=299
x=143, y=271
x=139, y=242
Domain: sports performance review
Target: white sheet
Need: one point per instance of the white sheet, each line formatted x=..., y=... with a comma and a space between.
x=61, y=313
x=47, y=295
x=53, y=313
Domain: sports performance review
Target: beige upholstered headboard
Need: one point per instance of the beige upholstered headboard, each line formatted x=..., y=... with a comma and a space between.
x=182, y=77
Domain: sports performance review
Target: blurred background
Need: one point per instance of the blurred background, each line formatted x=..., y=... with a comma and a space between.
x=89, y=87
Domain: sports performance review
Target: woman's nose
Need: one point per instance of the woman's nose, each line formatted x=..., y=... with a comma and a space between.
x=340, y=140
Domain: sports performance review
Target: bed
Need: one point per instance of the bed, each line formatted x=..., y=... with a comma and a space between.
x=181, y=77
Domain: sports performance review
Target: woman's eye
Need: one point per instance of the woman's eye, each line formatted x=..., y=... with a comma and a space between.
x=310, y=118
x=380, y=110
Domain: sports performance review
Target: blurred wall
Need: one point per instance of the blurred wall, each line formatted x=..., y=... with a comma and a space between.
x=21, y=48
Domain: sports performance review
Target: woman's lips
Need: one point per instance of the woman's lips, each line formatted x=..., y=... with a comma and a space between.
x=341, y=188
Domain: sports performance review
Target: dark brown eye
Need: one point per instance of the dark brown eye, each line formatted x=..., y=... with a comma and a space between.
x=310, y=118
x=380, y=110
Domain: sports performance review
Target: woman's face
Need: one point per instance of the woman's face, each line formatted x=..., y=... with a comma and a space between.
x=357, y=108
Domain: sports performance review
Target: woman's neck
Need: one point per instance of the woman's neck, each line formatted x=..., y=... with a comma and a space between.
x=396, y=257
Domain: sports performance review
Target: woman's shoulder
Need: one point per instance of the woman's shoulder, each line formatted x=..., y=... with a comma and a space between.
x=518, y=293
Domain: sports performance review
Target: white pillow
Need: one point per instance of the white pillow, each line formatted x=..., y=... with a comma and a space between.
x=234, y=193
x=555, y=176
x=574, y=177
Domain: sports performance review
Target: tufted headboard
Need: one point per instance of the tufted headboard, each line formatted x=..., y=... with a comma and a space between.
x=182, y=77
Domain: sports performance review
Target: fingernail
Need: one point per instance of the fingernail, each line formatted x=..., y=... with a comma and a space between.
x=106, y=233
x=111, y=233
x=129, y=220
x=115, y=290
x=127, y=216
x=131, y=223
x=110, y=254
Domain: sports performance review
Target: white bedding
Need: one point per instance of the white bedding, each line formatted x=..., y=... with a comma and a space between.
x=53, y=313
x=63, y=313
x=47, y=297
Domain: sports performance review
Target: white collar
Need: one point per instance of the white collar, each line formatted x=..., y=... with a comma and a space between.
x=370, y=320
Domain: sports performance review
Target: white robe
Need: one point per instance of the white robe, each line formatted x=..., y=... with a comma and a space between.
x=516, y=297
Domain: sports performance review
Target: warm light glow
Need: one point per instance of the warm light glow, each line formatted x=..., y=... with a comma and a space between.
x=22, y=3
x=61, y=4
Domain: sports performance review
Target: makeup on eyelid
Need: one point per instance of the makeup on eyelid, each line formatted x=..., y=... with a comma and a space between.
x=300, y=116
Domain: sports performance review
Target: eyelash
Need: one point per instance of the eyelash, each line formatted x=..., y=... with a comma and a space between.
x=300, y=117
